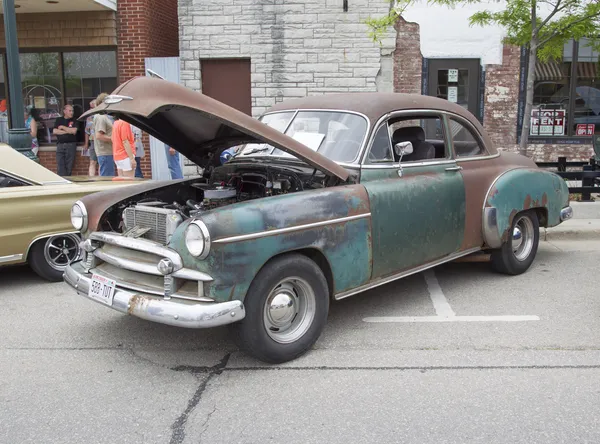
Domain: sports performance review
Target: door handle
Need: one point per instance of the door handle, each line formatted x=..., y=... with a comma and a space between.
x=454, y=168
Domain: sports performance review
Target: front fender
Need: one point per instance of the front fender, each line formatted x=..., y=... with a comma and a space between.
x=244, y=236
x=517, y=190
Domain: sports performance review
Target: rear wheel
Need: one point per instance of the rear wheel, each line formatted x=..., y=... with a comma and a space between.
x=517, y=254
x=286, y=309
x=49, y=257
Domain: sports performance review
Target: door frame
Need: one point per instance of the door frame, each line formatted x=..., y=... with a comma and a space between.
x=475, y=77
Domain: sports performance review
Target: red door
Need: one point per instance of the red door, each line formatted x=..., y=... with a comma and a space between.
x=228, y=81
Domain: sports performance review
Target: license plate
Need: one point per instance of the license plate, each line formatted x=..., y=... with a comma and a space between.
x=102, y=289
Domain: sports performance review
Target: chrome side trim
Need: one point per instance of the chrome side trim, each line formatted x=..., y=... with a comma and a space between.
x=57, y=182
x=472, y=158
x=409, y=165
x=10, y=258
x=144, y=245
x=385, y=280
x=490, y=228
x=179, y=313
x=277, y=231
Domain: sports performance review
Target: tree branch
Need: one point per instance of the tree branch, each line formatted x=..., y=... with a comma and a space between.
x=555, y=11
x=566, y=28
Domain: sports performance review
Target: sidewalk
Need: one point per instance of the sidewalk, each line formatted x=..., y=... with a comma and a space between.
x=573, y=229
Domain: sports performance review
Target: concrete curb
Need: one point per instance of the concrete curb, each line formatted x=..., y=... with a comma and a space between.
x=574, y=229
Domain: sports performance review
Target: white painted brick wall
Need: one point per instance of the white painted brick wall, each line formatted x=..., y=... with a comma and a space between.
x=297, y=47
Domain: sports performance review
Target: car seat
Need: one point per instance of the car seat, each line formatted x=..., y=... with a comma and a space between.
x=422, y=150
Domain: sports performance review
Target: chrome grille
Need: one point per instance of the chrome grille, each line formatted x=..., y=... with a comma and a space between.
x=161, y=222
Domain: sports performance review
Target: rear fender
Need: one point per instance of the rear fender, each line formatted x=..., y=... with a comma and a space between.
x=518, y=190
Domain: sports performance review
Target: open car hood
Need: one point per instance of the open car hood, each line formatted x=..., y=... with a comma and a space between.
x=197, y=125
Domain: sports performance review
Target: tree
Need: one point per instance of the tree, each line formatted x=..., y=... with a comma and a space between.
x=542, y=26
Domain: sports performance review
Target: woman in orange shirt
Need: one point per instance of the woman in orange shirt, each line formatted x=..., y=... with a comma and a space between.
x=123, y=144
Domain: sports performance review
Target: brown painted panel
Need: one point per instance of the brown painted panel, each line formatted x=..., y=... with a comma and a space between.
x=228, y=81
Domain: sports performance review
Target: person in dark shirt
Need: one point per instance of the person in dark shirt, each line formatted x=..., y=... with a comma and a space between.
x=65, y=129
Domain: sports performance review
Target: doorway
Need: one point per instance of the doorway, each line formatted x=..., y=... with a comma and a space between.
x=228, y=81
x=456, y=80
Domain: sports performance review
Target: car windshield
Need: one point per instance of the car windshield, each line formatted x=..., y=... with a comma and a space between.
x=336, y=135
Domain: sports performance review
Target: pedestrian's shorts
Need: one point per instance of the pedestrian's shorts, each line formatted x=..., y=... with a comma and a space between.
x=124, y=164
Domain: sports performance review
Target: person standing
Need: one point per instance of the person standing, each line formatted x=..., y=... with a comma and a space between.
x=103, y=129
x=89, y=141
x=31, y=120
x=123, y=144
x=173, y=162
x=139, y=150
x=65, y=129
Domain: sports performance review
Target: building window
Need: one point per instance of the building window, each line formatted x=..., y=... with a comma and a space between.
x=566, y=99
x=51, y=80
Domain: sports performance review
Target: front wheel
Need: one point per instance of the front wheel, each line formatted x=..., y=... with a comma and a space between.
x=286, y=309
x=518, y=252
x=49, y=257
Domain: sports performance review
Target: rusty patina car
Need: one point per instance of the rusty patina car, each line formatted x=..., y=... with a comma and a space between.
x=329, y=196
x=35, y=227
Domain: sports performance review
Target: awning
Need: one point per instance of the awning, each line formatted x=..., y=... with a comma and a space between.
x=587, y=70
x=548, y=71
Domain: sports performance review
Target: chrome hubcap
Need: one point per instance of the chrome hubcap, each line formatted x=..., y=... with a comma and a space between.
x=522, y=240
x=289, y=310
x=60, y=251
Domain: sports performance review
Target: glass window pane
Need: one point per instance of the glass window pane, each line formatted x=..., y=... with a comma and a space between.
x=40, y=80
x=426, y=136
x=89, y=74
x=381, y=149
x=464, y=141
x=550, y=99
x=586, y=121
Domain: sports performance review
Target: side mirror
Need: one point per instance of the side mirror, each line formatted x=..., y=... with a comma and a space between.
x=403, y=148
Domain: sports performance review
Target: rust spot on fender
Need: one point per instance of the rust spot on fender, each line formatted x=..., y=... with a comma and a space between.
x=544, y=200
x=527, y=203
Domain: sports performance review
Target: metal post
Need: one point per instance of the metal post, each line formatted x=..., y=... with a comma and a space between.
x=19, y=137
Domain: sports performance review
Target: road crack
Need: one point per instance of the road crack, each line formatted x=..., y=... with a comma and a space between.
x=178, y=427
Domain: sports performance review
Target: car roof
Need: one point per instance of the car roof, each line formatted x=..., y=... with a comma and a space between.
x=22, y=167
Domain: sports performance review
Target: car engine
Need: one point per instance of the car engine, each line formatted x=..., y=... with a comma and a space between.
x=157, y=215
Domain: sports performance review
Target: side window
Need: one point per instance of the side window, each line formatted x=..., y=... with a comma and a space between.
x=381, y=149
x=464, y=141
x=7, y=181
x=426, y=134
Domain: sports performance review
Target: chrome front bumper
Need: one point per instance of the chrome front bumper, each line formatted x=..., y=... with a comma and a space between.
x=176, y=312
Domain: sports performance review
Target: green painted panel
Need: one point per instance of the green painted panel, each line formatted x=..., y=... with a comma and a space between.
x=525, y=188
x=416, y=218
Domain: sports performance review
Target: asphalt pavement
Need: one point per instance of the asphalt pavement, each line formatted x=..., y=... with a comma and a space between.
x=455, y=355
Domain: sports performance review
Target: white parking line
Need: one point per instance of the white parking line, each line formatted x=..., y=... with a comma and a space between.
x=440, y=303
x=444, y=311
x=508, y=318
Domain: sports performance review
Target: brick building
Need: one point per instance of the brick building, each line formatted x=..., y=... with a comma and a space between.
x=253, y=54
x=72, y=50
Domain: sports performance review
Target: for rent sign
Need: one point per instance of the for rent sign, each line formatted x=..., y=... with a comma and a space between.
x=548, y=122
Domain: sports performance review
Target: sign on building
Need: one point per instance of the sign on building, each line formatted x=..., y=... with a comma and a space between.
x=452, y=75
x=547, y=122
x=585, y=129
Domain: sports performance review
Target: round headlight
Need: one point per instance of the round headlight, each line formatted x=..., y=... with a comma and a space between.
x=79, y=216
x=197, y=239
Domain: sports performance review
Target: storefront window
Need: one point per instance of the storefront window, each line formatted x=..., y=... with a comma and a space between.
x=52, y=79
x=41, y=89
x=553, y=115
x=87, y=74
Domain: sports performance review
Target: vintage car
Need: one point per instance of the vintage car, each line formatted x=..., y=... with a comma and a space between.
x=331, y=195
x=34, y=213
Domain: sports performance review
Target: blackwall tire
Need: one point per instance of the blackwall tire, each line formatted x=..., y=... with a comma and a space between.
x=517, y=254
x=50, y=256
x=286, y=310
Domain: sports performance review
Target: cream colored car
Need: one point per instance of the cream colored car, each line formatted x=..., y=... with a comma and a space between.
x=35, y=204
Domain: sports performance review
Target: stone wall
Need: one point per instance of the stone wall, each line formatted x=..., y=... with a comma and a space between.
x=297, y=48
